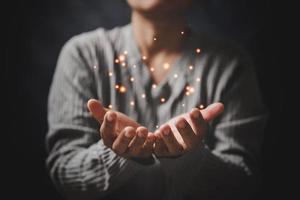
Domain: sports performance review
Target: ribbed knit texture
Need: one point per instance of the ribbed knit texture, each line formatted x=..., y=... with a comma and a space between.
x=225, y=166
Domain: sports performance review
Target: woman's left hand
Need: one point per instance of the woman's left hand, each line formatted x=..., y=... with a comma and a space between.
x=184, y=132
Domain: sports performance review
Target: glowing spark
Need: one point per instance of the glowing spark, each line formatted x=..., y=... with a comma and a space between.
x=123, y=64
x=121, y=58
x=191, y=67
x=117, y=86
x=154, y=86
x=134, y=66
x=122, y=89
x=192, y=90
x=198, y=50
x=183, y=105
x=166, y=66
x=125, y=52
x=198, y=79
x=201, y=106
x=175, y=75
x=132, y=103
x=144, y=57
x=143, y=96
x=182, y=32
x=162, y=100
x=95, y=66
x=110, y=106
x=117, y=61
x=110, y=74
x=152, y=69
x=157, y=126
x=131, y=79
x=189, y=90
x=155, y=39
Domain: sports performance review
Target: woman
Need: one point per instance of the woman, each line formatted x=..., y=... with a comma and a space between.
x=151, y=78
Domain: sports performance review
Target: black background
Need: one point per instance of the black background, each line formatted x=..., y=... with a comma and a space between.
x=34, y=32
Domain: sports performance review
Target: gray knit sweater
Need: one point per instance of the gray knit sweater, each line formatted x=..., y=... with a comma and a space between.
x=225, y=166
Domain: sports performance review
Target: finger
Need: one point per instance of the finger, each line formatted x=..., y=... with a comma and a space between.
x=160, y=148
x=197, y=122
x=137, y=143
x=97, y=109
x=107, y=129
x=148, y=145
x=189, y=137
x=120, y=145
x=173, y=145
x=212, y=111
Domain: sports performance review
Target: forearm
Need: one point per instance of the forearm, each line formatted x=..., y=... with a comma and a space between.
x=89, y=172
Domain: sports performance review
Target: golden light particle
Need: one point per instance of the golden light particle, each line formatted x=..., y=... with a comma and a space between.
x=110, y=74
x=198, y=50
x=183, y=105
x=192, y=90
x=123, y=64
x=143, y=96
x=131, y=79
x=152, y=69
x=121, y=58
x=117, y=86
x=154, y=38
x=132, y=103
x=175, y=75
x=156, y=126
x=191, y=67
x=154, y=86
x=117, y=61
x=122, y=89
x=198, y=79
x=166, y=66
x=144, y=57
x=189, y=90
x=110, y=106
x=95, y=66
x=201, y=106
x=162, y=100
x=182, y=32
x=125, y=52
x=134, y=66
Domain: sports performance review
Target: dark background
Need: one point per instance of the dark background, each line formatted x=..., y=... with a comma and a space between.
x=34, y=32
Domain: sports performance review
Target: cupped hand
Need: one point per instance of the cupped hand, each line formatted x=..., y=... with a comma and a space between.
x=184, y=132
x=122, y=134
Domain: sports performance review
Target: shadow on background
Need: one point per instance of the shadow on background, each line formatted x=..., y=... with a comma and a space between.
x=35, y=32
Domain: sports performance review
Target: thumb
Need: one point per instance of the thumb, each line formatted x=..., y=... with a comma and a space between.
x=96, y=109
x=212, y=111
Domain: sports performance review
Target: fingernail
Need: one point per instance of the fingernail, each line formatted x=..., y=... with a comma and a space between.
x=142, y=134
x=195, y=114
x=166, y=132
x=157, y=134
x=150, y=138
x=110, y=118
x=181, y=124
x=127, y=134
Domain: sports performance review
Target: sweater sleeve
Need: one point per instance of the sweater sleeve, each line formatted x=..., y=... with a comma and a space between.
x=226, y=165
x=80, y=165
